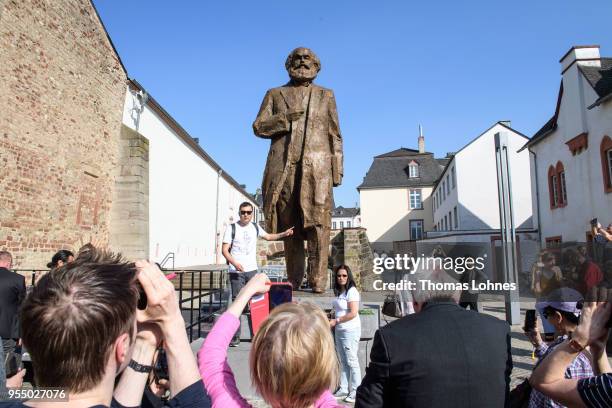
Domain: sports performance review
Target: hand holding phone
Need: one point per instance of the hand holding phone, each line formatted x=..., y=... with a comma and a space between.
x=262, y=305
x=530, y=320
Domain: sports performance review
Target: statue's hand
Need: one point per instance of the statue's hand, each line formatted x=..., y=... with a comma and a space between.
x=294, y=115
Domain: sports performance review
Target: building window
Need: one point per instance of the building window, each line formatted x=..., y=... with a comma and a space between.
x=606, y=163
x=416, y=229
x=434, y=202
x=443, y=190
x=446, y=223
x=334, y=225
x=341, y=224
x=448, y=185
x=453, y=177
x=415, y=199
x=413, y=170
x=561, y=190
x=553, y=242
x=555, y=190
x=348, y=224
x=562, y=187
x=450, y=220
x=552, y=187
x=456, y=219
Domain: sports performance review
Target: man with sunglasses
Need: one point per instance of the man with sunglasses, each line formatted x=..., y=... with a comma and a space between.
x=240, y=250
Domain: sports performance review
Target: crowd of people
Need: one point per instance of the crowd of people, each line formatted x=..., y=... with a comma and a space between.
x=97, y=325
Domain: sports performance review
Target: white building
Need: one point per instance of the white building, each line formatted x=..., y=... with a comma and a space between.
x=345, y=217
x=395, y=195
x=465, y=203
x=571, y=155
x=191, y=198
x=465, y=198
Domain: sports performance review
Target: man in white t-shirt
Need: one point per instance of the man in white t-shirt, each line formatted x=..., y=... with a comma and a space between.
x=240, y=250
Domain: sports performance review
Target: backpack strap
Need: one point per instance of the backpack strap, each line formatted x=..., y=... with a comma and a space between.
x=256, y=230
x=232, y=243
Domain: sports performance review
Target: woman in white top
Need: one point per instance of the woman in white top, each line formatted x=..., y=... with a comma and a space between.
x=347, y=331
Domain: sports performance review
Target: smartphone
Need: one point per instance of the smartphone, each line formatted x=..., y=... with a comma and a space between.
x=13, y=364
x=279, y=293
x=530, y=320
x=594, y=222
x=262, y=305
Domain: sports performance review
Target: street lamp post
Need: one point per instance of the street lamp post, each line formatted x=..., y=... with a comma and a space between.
x=507, y=228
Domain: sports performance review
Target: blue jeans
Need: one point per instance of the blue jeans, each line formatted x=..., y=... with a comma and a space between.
x=347, y=346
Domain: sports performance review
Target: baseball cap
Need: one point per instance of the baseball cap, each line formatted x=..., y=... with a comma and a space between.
x=564, y=299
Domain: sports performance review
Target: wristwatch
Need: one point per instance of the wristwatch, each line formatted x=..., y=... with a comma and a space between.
x=139, y=368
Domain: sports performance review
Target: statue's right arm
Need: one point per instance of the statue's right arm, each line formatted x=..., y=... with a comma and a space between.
x=268, y=123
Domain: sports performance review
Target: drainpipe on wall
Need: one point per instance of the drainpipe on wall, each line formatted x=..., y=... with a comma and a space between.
x=219, y=172
x=537, y=185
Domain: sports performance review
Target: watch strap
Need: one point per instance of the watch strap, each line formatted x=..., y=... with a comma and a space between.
x=140, y=368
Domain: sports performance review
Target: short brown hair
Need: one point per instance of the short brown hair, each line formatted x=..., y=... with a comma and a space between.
x=74, y=315
x=245, y=204
x=293, y=359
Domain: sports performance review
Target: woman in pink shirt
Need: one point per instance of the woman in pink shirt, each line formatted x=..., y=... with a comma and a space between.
x=293, y=360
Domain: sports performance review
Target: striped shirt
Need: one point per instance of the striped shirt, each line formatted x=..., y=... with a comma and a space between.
x=596, y=392
x=579, y=368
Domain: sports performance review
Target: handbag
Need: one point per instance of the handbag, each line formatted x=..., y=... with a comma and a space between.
x=392, y=306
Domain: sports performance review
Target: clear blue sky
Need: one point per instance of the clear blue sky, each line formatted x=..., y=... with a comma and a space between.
x=455, y=67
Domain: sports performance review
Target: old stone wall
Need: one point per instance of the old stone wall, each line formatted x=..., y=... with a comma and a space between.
x=130, y=210
x=61, y=97
x=348, y=246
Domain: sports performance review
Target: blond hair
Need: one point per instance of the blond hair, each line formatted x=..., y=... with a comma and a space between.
x=293, y=359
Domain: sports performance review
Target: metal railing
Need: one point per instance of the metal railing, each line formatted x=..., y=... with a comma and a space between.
x=169, y=256
x=31, y=275
x=201, y=294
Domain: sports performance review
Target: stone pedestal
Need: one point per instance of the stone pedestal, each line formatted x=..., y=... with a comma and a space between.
x=348, y=246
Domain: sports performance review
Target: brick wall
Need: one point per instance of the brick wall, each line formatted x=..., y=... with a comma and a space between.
x=61, y=102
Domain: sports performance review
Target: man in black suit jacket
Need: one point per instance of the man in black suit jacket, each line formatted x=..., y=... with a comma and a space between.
x=442, y=356
x=12, y=293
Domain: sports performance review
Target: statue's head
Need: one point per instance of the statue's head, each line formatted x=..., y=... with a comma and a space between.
x=303, y=65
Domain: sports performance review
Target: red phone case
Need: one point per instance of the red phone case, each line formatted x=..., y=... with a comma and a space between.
x=260, y=307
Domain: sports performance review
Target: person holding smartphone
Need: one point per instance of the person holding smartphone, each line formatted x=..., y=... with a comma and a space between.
x=563, y=313
x=347, y=331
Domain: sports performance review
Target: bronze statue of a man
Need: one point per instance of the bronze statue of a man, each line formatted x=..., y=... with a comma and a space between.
x=304, y=163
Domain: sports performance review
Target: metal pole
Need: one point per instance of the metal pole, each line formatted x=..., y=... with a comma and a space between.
x=216, y=240
x=507, y=228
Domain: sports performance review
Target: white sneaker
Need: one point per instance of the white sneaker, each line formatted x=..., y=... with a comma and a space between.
x=350, y=398
x=340, y=394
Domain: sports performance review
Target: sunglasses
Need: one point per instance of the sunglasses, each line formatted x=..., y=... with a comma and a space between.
x=246, y=212
x=341, y=276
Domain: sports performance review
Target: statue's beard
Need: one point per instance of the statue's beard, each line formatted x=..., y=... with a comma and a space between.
x=303, y=73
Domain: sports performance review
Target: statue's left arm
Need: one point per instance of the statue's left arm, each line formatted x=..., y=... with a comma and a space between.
x=336, y=142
